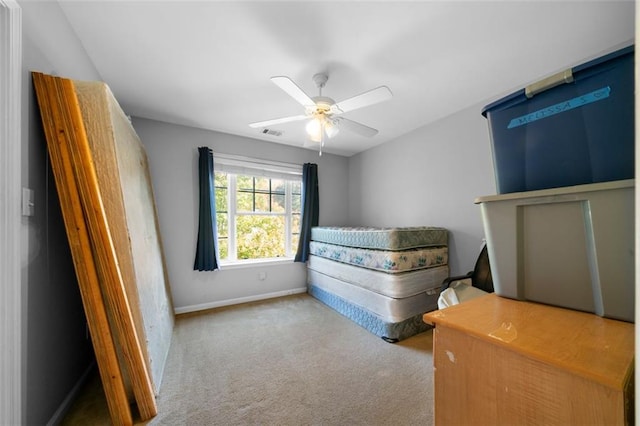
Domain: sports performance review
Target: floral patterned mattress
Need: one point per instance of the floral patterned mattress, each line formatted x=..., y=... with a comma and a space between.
x=381, y=238
x=383, y=260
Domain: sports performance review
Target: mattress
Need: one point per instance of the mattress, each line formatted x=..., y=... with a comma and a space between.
x=397, y=286
x=383, y=260
x=386, y=308
x=389, y=331
x=381, y=238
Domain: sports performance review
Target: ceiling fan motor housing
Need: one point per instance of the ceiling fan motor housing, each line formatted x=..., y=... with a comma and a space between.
x=322, y=105
x=320, y=79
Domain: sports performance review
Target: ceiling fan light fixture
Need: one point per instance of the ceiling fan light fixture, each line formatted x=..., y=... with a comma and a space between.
x=320, y=124
x=331, y=129
x=314, y=129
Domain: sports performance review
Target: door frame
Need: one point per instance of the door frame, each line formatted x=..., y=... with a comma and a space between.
x=11, y=341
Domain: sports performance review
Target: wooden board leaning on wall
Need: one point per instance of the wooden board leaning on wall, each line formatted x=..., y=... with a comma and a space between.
x=95, y=216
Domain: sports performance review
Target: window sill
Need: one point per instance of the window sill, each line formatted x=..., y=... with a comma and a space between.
x=240, y=264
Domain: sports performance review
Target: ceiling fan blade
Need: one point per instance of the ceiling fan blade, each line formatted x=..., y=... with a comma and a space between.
x=362, y=100
x=277, y=121
x=355, y=127
x=292, y=89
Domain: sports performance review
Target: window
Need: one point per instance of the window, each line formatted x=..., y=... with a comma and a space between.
x=257, y=209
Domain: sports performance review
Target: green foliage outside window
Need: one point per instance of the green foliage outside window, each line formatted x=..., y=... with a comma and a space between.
x=221, y=183
x=260, y=236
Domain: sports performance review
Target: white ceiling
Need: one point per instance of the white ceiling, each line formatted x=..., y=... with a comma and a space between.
x=208, y=64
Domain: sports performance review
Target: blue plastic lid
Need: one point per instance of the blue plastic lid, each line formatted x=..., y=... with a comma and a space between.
x=579, y=71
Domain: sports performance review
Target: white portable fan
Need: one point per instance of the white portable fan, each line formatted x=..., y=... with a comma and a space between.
x=324, y=113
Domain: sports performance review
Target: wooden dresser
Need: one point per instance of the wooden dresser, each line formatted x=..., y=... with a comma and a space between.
x=499, y=361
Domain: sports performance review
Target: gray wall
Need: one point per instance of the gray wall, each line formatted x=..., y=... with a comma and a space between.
x=56, y=348
x=430, y=176
x=172, y=153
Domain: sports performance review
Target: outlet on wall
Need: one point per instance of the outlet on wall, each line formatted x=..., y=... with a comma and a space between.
x=262, y=276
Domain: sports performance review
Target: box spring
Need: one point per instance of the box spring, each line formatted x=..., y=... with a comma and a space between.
x=387, y=308
x=389, y=331
x=391, y=285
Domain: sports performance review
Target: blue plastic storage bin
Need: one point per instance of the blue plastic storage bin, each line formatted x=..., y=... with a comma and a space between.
x=573, y=128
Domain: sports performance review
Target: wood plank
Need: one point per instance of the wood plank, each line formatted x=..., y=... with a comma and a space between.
x=57, y=130
x=82, y=174
x=106, y=259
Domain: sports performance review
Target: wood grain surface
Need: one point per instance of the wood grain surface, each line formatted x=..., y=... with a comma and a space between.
x=503, y=361
x=77, y=178
x=58, y=128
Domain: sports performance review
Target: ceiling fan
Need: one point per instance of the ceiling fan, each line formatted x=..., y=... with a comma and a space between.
x=323, y=112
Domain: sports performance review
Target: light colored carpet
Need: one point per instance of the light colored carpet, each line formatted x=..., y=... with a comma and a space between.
x=285, y=361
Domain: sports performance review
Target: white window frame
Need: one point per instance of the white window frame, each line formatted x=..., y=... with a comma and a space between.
x=237, y=165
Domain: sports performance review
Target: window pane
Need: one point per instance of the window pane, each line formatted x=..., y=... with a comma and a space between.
x=220, y=179
x=245, y=201
x=295, y=187
x=223, y=248
x=262, y=184
x=277, y=185
x=295, y=203
x=262, y=202
x=295, y=224
x=221, y=199
x=245, y=182
x=277, y=203
x=223, y=225
x=294, y=243
x=260, y=236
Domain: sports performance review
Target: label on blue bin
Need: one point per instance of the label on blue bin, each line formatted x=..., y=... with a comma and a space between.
x=577, y=102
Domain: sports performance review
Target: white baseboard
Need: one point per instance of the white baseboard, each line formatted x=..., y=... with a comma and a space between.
x=228, y=302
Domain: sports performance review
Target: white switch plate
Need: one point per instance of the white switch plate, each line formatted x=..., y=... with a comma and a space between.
x=28, y=202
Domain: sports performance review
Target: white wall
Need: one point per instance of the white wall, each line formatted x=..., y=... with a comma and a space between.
x=429, y=177
x=172, y=153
